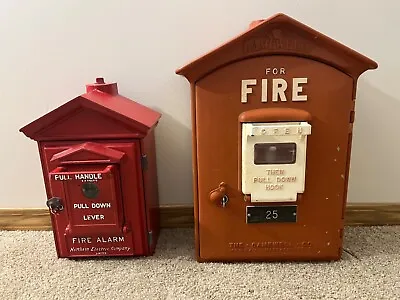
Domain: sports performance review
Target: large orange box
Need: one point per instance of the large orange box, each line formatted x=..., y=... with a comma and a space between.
x=273, y=113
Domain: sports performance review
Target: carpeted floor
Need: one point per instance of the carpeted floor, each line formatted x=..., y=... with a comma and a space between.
x=29, y=269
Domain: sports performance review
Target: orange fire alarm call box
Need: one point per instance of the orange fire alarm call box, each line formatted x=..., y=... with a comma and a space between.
x=98, y=159
x=273, y=111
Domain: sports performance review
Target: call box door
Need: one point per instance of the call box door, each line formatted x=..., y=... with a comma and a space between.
x=89, y=209
x=92, y=196
x=271, y=174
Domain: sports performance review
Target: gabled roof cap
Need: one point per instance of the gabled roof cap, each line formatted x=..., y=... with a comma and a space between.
x=102, y=98
x=279, y=34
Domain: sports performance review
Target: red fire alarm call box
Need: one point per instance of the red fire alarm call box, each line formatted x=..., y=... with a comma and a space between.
x=273, y=112
x=99, y=165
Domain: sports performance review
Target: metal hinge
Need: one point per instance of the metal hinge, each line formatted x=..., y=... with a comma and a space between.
x=351, y=120
x=144, y=162
x=150, y=238
x=352, y=116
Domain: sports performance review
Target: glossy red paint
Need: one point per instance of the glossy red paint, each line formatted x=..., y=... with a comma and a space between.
x=98, y=160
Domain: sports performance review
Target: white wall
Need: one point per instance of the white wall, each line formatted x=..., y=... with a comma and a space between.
x=51, y=49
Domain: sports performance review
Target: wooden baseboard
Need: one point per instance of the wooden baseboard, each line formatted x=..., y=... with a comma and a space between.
x=182, y=216
x=372, y=214
x=39, y=218
x=24, y=219
x=176, y=216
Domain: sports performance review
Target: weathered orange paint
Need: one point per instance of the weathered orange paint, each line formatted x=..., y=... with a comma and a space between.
x=296, y=51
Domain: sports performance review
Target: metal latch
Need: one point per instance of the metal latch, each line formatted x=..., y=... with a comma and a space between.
x=219, y=195
x=55, y=205
x=144, y=162
x=150, y=238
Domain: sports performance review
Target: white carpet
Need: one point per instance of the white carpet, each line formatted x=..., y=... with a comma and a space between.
x=30, y=270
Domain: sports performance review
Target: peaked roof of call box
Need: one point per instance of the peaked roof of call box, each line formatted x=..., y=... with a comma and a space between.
x=99, y=113
x=279, y=34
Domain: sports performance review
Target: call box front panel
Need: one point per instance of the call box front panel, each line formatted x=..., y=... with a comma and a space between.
x=282, y=178
x=274, y=160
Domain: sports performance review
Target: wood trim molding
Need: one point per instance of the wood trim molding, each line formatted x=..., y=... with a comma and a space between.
x=39, y=218
x=25, y=219
x=176, y=216
x=372, y=214
x=179, y=216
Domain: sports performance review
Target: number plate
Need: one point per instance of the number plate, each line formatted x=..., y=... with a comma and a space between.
x=271, y=214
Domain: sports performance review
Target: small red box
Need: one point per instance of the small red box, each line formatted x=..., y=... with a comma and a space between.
x=99, y=165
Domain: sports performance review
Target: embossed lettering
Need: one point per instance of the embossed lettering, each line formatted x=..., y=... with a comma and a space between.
x=101, y=205
x=83, y=177
x=279, y=87
x=286, y=179
x=276, y=40
x=275, y=171
x=273, y=187
x=262, y=180
x=88, y=176
x=271, y=246
x=245, y=89
x=296, y=89
x=81, y=240
x=236, y=245
x=62, y=177
x=78, y=249
x=111, y=239
x=93, y=217
x=80, y=206
x=275, y=71
x=264, y=96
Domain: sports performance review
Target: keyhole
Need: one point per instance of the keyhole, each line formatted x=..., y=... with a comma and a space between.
x=224, y=200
